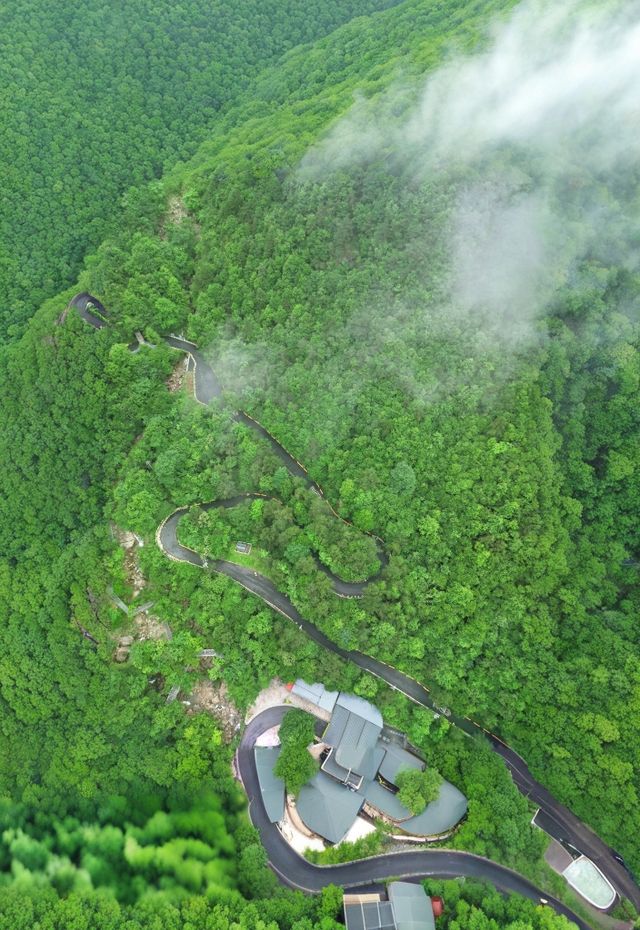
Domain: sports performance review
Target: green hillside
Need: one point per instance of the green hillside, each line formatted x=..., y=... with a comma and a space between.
x=101, y=97
x=310, y=255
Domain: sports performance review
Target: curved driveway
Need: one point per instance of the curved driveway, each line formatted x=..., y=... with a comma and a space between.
x=560, y=820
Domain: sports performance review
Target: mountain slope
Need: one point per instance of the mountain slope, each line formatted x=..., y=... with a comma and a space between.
x=501, y=477
x=97, y=98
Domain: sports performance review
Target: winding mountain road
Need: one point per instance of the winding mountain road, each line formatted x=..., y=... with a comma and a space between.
x=568, y=827
x=206, y=389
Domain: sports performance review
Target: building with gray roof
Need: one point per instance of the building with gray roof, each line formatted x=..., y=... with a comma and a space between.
x=316, y=694
x=396, y=759
x=385, y=801
x=353, y=734
x=271, y=786
x=327, y=807
x=412, y=908
x=441, y=815
x=360, y=766
x=368, y=915
x=408, y=908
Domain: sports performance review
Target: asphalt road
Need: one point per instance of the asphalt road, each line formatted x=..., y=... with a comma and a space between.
x=567, y=826
x=208, y=388
x=82, y=302
x=296, y=872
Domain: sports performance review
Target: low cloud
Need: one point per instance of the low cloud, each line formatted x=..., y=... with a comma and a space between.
x=540, y=132
x=555, y=77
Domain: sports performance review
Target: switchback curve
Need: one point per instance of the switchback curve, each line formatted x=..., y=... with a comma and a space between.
x=206, y=389
x=568, y=827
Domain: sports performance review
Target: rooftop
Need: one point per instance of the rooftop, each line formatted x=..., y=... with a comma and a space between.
x=271, y=787
x=395, y=760
x=354, y=740
x=327, y=807
x=441, y=815
x=369, y=915
x=360, y=765
x=588, y=880
x=353, y=733
x=412, y=908
x=316, y=694
x=408, y=908
x=386, y=802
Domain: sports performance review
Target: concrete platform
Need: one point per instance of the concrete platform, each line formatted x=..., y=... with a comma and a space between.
x=557, y=857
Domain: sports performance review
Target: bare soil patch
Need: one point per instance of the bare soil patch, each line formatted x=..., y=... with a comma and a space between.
x=133, y=576
x=273, y=695
x=176, y=210
x=176, y=214
x=150, y=627
x=213, y=698
x=177, y=377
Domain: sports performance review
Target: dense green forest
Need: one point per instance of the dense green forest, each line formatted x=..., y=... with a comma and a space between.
x=99, y=97
x=470, y=905
x=512, y=527
x=501, y=472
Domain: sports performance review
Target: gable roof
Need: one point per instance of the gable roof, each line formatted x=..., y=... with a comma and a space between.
x=271, y=786
x=327, y=807
x=412, y=909
x=355, y=750
x=353, y=732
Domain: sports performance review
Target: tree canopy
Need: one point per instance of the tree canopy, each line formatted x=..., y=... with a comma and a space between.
x=502, y=478
x=418, y=788
x=295, y=763
x=103, y=97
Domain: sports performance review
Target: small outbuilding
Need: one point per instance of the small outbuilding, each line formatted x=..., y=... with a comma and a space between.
x=407, y=907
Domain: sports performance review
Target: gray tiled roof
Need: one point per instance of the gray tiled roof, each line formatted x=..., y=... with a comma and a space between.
x=357, y=705
x=441, y=815
x=316, y=694
x=327, y=807
x=336, y=726
x=412, y=909
x=331, y=767
x=395, y=760
x=385, y=801
x=353, y=731
x=369, y=915
x=271, y=787
x=357, y=745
